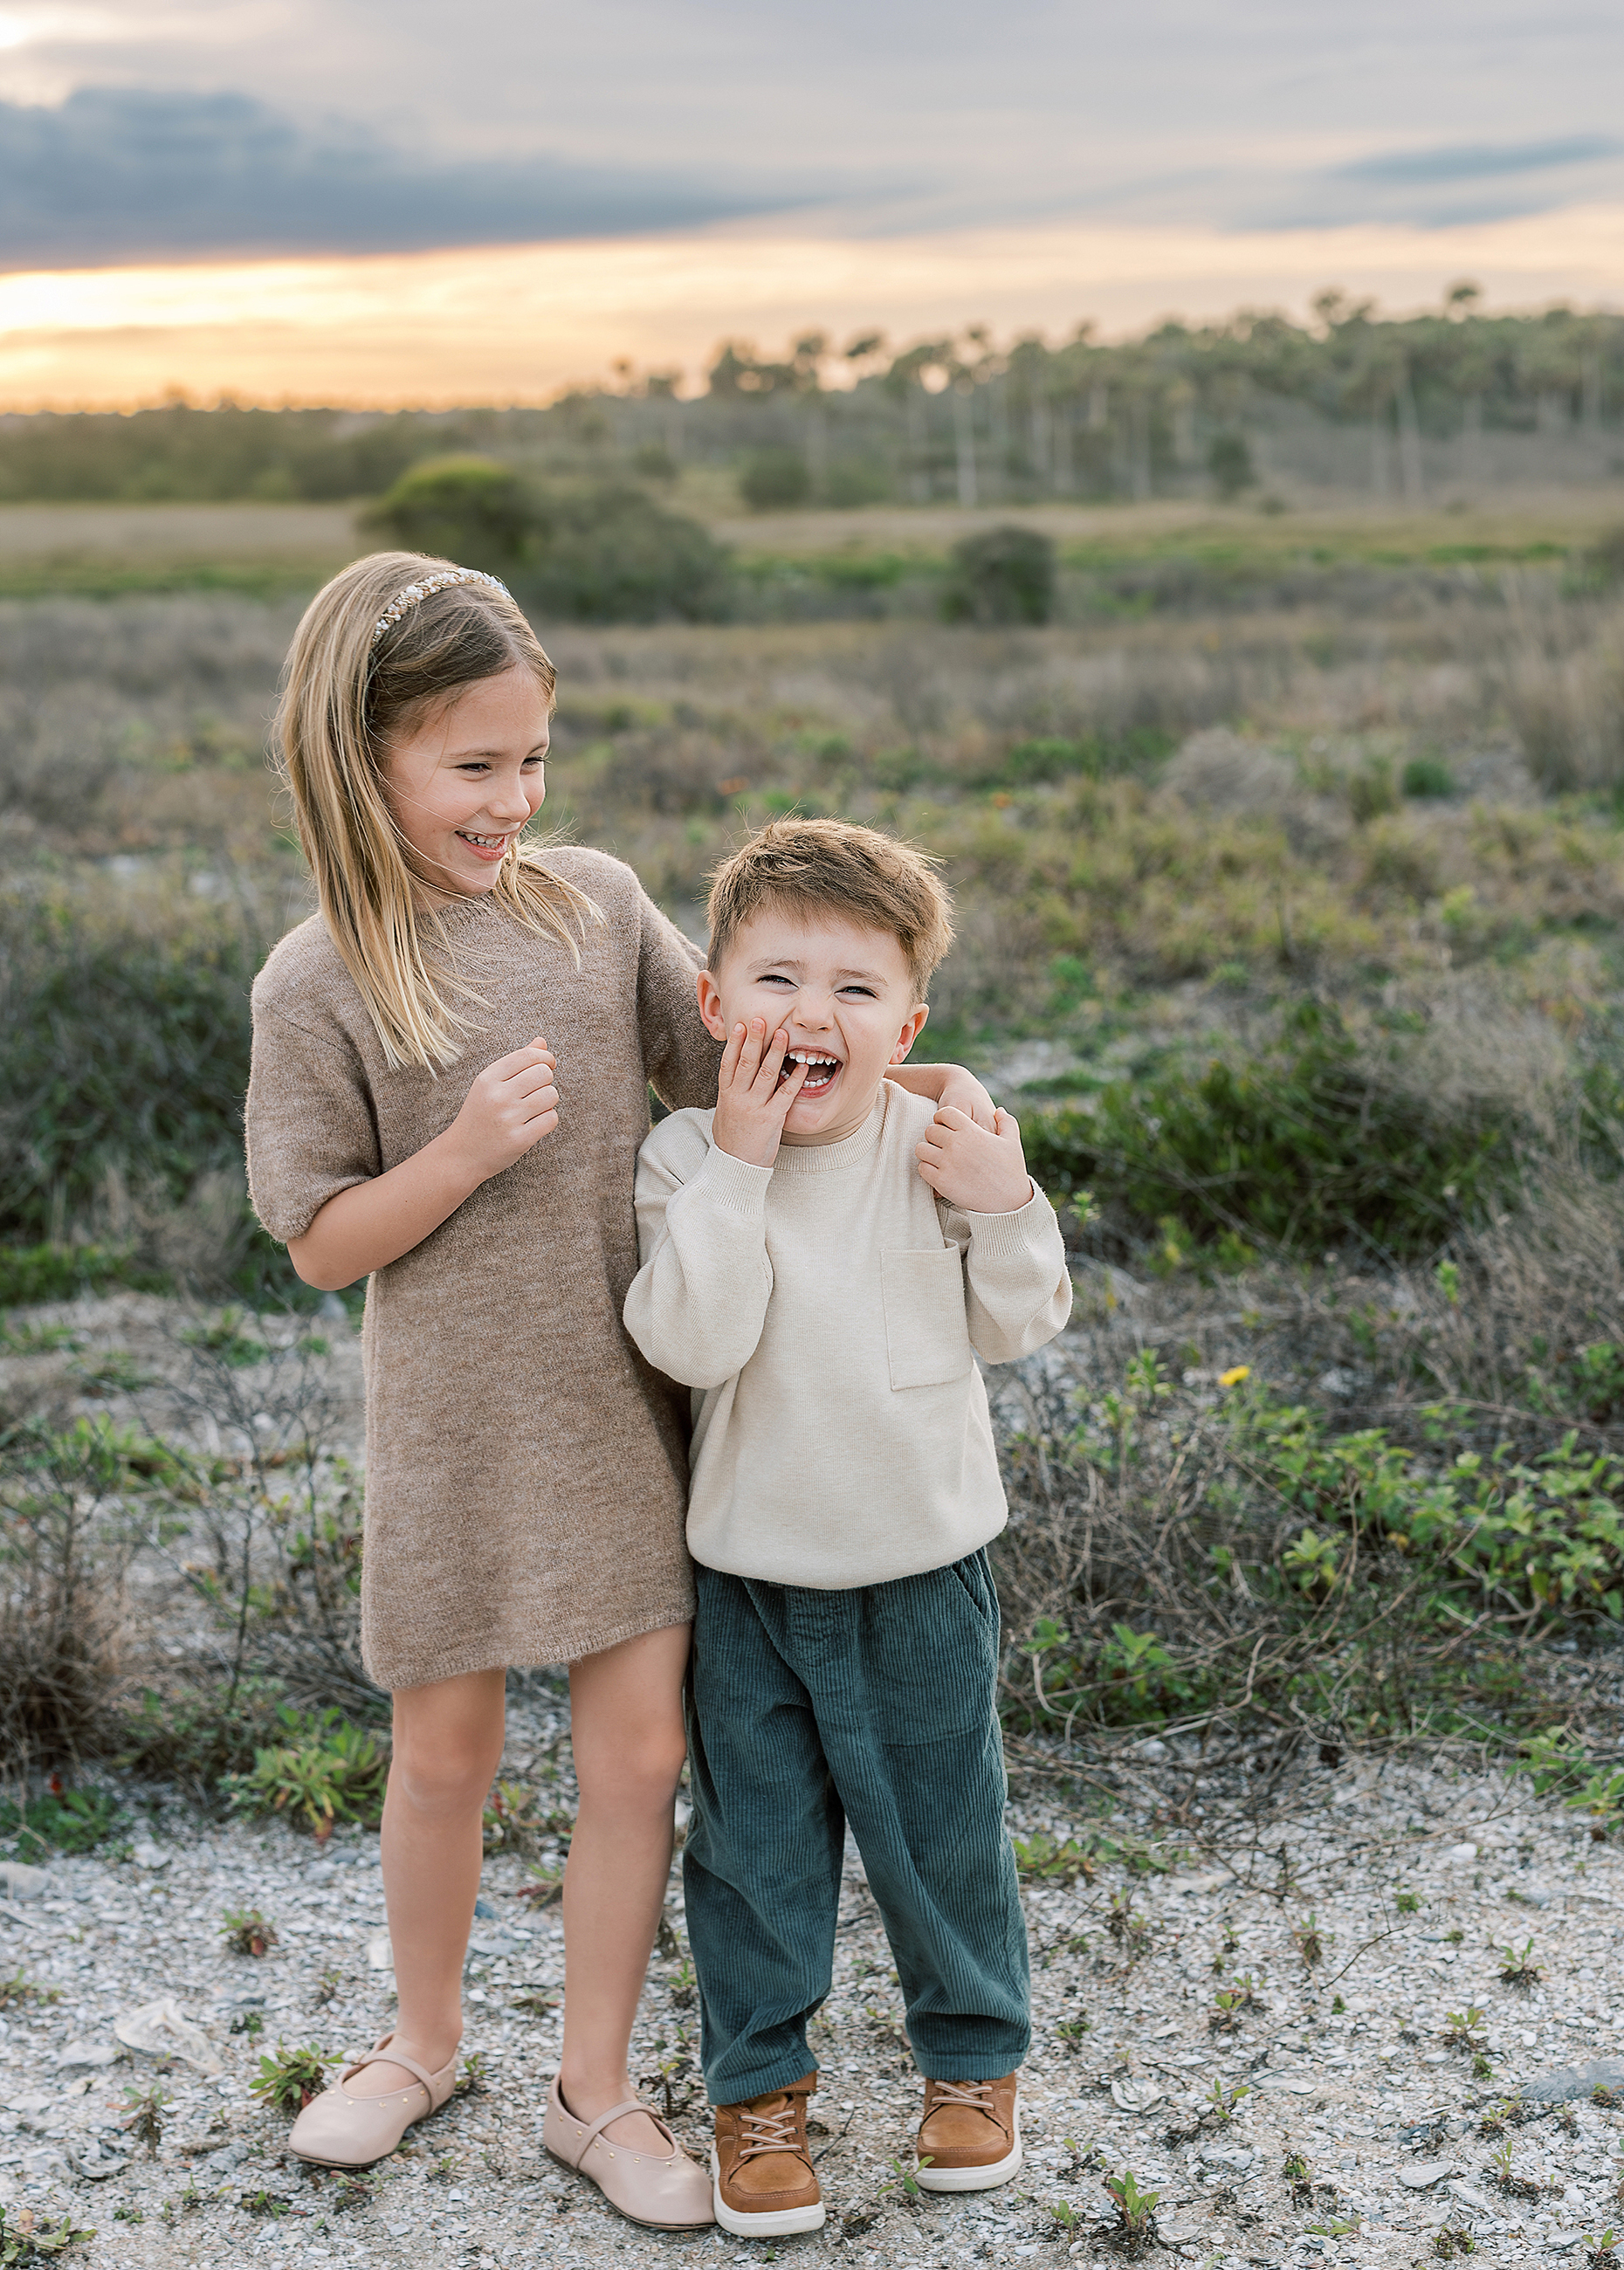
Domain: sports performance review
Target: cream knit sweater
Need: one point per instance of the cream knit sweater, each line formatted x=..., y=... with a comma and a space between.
x=823, y=1311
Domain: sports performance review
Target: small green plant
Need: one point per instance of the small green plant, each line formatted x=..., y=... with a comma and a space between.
x=329, y=1985
x=251, y=2023
x=1496, y=2118
x=1455, y=1937
x=1040, y=1859
x=1136, y=2209
x=20, y=1988
x=26, y=2241
x=1298, y=2177
x=144, y=2116
x=1225, y=2017
x=904, y=2180
x=474, y=2079
x=1338, y=2007
x=329, y=1772
x=443, y=2168
x=1222, y=2104
x=1338, y=2227
x=225, y=1338
x=1517, y=1967
x=1462, y=2027
x=1408, y=1903
x=1600, y=2249
x=1453, y=2239
x=1071, y=2031
x=1482, y=2069
x=536, y=2002
x=245, y=1932
x=545, y=1890
x=128, y=2215
x=1310, y=1941
x=1603, y=2095
x=60, y=1819
x=1505, y=2178
x=261, y=2203
x=356, y=2187
x=512, y=1824
x=1065, y=2215
x=288, y=2079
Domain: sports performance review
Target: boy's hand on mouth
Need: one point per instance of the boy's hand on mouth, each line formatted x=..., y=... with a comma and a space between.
x=752, y=1105
x=979, y=1172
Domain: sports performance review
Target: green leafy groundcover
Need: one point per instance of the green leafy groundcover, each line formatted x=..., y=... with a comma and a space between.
x=1305, y=1146
x=1384, y=1590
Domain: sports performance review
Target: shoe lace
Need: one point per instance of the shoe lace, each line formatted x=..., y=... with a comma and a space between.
x=977, y=2094
x=776, y=2131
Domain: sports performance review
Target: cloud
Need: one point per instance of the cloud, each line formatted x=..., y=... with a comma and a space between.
x=1479, y=161
x=119, y=175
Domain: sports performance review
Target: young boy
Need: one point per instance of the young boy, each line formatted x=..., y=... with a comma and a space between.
x=821, y=1254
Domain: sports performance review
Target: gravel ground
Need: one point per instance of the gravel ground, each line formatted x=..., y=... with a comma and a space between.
x=1342, y=2059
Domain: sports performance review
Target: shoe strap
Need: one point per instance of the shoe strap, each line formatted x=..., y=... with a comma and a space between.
x=592, y=2130
x=381, y=2053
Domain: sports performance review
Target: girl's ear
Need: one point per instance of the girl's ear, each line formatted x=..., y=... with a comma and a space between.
x=710, y=1005
x=909, y=1033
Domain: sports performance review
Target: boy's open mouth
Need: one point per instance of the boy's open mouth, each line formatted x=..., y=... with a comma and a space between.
x=821, y=1072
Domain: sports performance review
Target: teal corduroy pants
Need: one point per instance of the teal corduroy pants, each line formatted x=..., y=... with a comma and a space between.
x=808, y=1710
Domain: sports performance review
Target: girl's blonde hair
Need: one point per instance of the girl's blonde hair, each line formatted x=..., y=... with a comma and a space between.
x=343, y=699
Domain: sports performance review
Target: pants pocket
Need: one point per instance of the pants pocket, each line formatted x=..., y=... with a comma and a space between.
x=927, y=1336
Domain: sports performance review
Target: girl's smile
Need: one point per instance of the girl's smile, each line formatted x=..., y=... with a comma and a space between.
x=467, y=780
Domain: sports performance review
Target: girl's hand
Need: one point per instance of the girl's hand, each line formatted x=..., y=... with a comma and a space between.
x=977, y=1171
x=751, y=1106
x=509, y=1108
x=963, y=1092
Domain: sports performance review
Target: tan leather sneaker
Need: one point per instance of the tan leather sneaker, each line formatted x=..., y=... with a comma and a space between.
x=763, y=2183
x=970, y=2135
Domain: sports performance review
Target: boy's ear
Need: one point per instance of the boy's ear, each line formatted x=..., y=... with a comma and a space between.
x=710, y=1005
x=909, y=1033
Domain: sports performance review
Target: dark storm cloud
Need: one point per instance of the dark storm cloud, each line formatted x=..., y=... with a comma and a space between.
x=116, y=175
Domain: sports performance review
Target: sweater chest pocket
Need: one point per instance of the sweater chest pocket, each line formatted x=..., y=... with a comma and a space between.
x=927, y=1339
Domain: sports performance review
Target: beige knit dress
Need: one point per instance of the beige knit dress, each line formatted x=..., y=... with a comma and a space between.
x=526, y=1469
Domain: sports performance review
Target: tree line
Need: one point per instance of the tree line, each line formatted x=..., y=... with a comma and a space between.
x=959, y=417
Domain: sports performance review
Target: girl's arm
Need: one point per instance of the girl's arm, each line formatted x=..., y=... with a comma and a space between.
x=947, y=1084
x=509, y=1108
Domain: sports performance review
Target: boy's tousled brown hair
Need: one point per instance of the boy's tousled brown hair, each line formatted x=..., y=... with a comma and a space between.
x=833, y=867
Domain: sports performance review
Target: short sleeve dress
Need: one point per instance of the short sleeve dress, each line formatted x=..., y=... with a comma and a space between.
x=526, y=1469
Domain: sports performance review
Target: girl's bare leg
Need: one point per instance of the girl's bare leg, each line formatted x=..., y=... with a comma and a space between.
x=448, y=1746
x=626, y=1731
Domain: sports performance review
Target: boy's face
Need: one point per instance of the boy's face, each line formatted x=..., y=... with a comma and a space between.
x=845, y=996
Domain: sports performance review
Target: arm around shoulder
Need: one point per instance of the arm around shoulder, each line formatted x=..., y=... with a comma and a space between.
x=697, y=1305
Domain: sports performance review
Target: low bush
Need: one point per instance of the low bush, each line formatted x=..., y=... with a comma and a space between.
x=322, y=1772
x=1169, y=1566
x=774, y=480
x=596, y=554
x=1003, y=575
x=1310, y=1144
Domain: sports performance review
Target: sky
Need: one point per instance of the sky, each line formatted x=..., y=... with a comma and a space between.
x=338, y=200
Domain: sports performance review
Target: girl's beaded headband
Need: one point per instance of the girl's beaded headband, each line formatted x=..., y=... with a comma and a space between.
x=408, y=597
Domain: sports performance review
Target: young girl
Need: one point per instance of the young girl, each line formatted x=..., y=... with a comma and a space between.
x=450, y=1076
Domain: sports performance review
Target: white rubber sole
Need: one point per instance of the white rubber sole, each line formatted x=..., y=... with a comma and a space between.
x=974, y=2180
x=784, y=2225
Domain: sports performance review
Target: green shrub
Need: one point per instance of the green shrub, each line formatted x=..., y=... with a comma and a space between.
x=200, y=1735
x=1003, y=575
x=468, y=508
x=324, y=1771
x=774, y=480
x=611, y=555
x=31, y=1274
x=59, y=1821
x=1306, y=1147
x=1427, y=777
x=1229, y=462
x=124, y=1042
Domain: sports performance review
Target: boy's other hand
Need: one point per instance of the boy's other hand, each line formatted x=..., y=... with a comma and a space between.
x=751, y=1104
x=509, y=1108
x=979, y=1171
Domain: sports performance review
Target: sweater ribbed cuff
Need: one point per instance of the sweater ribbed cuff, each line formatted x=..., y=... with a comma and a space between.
x=733, y=1184
x=994, y=1235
